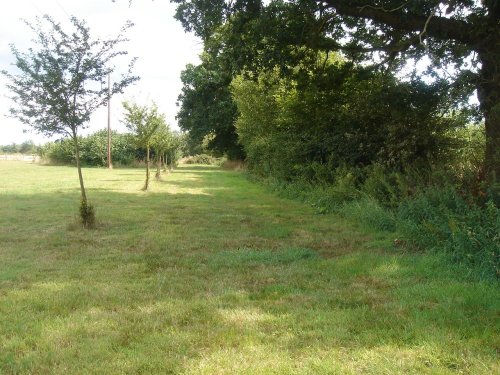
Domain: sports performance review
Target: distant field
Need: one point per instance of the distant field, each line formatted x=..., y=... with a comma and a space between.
x=209, y=273
x=18, y=157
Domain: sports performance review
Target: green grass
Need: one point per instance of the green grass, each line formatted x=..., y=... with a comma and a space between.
x=209, y=273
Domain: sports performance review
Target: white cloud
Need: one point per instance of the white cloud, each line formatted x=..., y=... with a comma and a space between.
x=157, y=39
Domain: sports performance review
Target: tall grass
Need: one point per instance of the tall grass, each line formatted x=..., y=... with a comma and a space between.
x=431, y=211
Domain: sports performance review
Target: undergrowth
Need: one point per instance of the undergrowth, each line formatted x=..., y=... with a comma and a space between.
x=87, y=214
x=203, y=159
x=433, y=212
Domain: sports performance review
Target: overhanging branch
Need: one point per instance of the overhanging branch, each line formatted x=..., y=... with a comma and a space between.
x=440, y=28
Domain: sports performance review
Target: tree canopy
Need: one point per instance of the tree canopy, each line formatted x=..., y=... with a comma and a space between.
x=59, y=85
x=206, y=107
x=143, y=122
x=461, y=38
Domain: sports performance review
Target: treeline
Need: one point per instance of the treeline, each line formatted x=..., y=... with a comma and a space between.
x=399, y=155
x=26, y=148
x=93, y=150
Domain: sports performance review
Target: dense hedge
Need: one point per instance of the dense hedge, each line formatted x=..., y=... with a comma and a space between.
x=93, y=150
x=306, y=127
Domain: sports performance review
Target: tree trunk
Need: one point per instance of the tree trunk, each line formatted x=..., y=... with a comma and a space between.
x=110, y=163
x=171, y=164
x=488, y=93
x=158, y=168
x=165, y=162
x=492, y=156
x=146, y=185
x=77, y=157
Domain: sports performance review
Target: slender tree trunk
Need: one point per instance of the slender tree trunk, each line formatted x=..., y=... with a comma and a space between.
x=77, y=157
x=158, y=168
x=492, y=156
x=146, y=185
x=165, y=162
x=108, y=148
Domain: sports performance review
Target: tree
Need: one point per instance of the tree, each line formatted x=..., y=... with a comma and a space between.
x=465, y=34
x=59, y=85
x=11, y=149
x=462, y=34
x=143, y=122
x=207, y=108
x=160, y=143
x=27, y=147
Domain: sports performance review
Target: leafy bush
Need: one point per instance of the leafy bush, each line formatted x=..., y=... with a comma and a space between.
x=385, y=186
x=304, y=126
x=94, y=149
x=59, y=152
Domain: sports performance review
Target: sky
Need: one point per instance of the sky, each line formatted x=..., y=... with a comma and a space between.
x=158, y=41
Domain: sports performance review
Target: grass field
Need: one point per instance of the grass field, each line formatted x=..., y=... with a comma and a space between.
x=209, y=273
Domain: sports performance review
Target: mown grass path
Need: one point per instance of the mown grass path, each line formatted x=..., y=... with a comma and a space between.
x=209, y=273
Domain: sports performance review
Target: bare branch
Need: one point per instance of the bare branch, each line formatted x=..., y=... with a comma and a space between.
x=383, y=8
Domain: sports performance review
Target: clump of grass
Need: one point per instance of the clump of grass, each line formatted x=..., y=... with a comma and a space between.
x=87, y=214
x=430, y=213
x=369, y=212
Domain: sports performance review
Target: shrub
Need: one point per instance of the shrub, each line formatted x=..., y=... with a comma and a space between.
x=345, y=189
x=385, y=186
x=59, y=152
